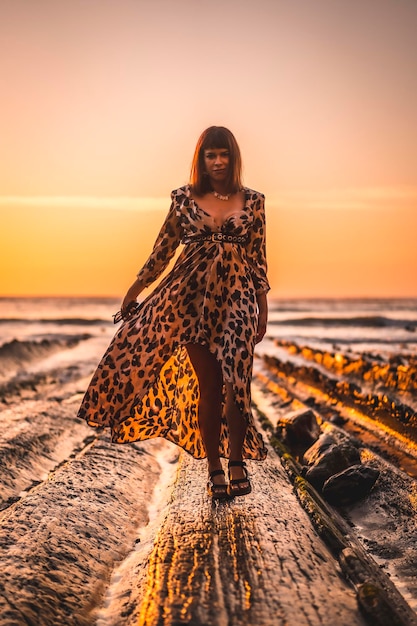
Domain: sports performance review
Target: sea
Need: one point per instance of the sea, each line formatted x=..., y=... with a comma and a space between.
x=32, y=329
x=374, y=325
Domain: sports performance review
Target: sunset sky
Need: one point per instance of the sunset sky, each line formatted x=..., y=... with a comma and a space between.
x=103, y=102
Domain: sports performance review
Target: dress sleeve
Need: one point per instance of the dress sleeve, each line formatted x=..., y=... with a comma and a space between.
x=165, y=245
x=256, y=247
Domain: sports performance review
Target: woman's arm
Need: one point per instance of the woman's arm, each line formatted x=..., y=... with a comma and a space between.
x=164, y=249
x=256, y=246
x=256, y=254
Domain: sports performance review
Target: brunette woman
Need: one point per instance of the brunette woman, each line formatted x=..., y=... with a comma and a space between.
x=180, y=365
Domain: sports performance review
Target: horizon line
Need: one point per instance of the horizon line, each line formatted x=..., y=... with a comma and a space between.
x=331, y=198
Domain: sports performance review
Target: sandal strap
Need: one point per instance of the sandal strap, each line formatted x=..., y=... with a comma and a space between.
x=218, y=472
x=220, y=488
x=238, y=481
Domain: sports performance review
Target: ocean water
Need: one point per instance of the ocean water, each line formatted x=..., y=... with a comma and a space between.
x=388, y=325
x=372, y=325
x=45, y=333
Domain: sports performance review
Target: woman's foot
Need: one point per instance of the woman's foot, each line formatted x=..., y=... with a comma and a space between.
x=216, y=486
x=239, y=484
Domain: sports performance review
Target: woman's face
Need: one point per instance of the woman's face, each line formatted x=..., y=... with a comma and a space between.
x=217, y=163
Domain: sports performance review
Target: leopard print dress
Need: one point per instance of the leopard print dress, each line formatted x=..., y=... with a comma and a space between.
x=145, y=385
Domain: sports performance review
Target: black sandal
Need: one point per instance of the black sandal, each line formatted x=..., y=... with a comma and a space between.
x=239, y=486
x=215, y=491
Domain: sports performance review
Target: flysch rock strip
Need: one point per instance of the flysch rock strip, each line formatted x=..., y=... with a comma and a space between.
x=61, y=542
x=34, y=440
x=253, y=560
x=380, y=600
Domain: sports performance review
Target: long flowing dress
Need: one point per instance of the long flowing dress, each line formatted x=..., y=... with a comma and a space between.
x=145, y=385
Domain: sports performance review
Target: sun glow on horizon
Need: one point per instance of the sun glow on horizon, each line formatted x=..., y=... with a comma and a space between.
x=318, y=242
x=358, y=198
x=85, y=202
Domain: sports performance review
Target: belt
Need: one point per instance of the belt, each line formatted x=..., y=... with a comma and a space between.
x=215, y=237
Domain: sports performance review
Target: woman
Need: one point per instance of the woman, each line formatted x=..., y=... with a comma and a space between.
x=180, y=367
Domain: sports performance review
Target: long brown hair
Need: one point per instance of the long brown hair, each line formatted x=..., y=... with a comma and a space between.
x=216, y=137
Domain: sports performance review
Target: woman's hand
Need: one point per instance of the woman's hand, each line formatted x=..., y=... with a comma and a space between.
x=261, y=330
x=262, y=316
x=131, y=295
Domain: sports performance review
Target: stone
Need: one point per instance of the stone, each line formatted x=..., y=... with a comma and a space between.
x=338, y=420
x=299, y=428
x=334, y=460
x=350, y=485
x=323, y=443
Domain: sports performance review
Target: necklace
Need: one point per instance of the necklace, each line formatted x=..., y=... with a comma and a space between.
x=219, y=195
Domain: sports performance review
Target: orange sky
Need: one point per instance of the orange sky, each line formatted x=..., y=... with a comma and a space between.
x=102, y=104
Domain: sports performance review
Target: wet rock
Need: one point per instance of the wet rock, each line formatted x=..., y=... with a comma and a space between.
x=396, y=360
x=62, y=541
x=334, y=460
x=350, y=485
x=337, y=419
x=310, y=401
x=314, y=452
x=348, y=389
x=299, y=428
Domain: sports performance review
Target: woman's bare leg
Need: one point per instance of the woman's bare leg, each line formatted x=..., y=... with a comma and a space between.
x=237, y=432
x=210, y=381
